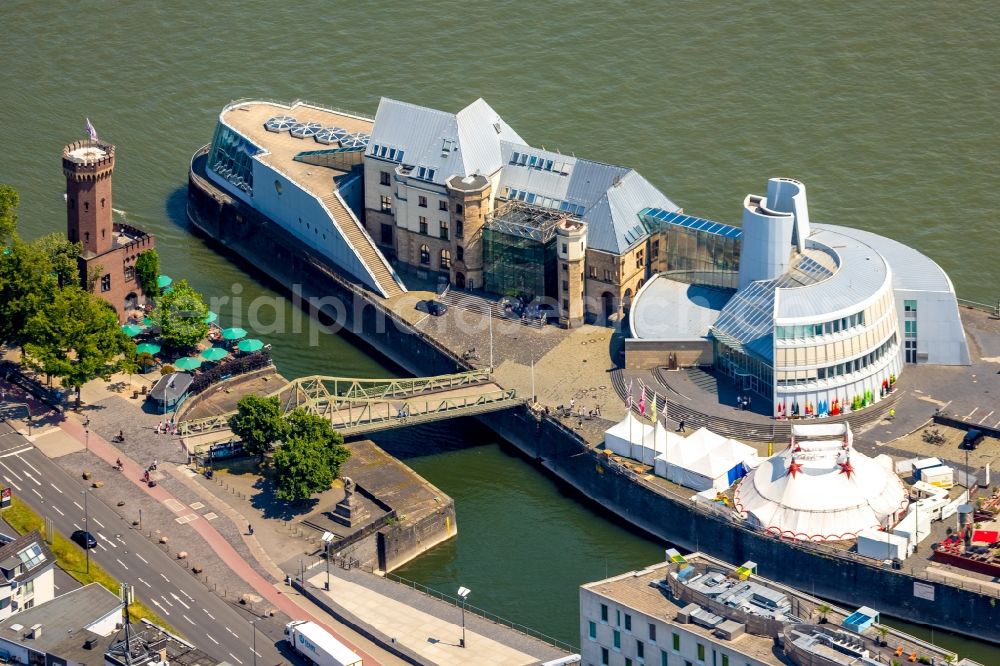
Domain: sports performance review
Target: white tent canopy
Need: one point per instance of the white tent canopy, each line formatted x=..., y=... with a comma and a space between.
x=830, y=493
x=627, y=437
x=703, y=460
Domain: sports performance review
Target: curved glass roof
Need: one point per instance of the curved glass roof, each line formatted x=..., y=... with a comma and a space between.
x=304, y=130
x=279, y=123
x=356, y=140
x=329, y=135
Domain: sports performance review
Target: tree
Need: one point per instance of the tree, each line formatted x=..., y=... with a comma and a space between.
x=310, y=457
x=258, y=423
x=62, y=257
x=27, y=283
x=75, y=337
x=180, y=315
x=9, y=201
x=147, y=270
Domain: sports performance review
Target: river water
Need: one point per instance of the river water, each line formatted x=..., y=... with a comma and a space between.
x=886, y=111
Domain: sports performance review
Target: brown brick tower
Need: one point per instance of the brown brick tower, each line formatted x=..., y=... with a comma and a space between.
x=109, y=249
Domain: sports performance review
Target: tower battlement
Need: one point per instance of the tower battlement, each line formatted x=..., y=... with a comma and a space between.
x=88, y=159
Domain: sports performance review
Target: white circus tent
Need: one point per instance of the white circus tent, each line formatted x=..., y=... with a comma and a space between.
x=821, y=489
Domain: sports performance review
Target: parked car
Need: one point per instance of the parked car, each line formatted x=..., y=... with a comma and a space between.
x=972, y=439
x=85, y=539
x=435, y=308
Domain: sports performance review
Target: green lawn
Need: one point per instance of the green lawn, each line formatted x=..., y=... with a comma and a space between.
x=72, y=559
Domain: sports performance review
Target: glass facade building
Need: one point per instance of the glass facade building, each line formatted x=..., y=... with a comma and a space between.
x=231, y=156
x=698, y=251
x=519, y=249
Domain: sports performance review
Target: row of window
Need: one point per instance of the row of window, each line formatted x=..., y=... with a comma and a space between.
x=545, y=202
x=540, y=163
x=846, y=368
x=910, y=328
x=640, y=646
x=442, y=227
x=444, y=261
x=424, y=173
x=387, y=153
x=826, y=328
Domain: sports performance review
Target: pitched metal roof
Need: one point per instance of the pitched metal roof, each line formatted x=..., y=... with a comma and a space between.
x=610, y=197
x=465, y=143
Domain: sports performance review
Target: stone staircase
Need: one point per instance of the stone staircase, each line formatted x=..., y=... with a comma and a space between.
x=357, y=237
x=474, y=302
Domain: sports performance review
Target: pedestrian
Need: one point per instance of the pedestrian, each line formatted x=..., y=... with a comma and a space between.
x=159, y=426
x=739, y=402
x=749, y=403
x=572, y=404
x=892, y=413
x=680, y=426
x=250, y=530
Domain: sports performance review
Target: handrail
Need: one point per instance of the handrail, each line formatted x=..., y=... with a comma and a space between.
x=288, y=105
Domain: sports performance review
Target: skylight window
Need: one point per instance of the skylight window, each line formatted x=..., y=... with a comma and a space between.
x=31, y=556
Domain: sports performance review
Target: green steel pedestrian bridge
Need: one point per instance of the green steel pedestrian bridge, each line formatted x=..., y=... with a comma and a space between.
x=361, y=406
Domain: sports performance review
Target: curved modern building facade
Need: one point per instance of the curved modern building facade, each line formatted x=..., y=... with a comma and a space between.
x=825, y=317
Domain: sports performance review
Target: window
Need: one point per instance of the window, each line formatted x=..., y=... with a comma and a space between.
x=652, y=632
x=640, y=649
x=443, y=229
x=592, y=630
x=628, y=622
x=604, y=613
x=102, y=203
x=28, y=588
x=565, y=248
x=565, y=268
x=725, y=660
x=458, y=209
x=605, y=656
x=422, y=201
x=86, y=236
x=909, y=306
x=565, y=286
x=593, y=272
x=628, y=662
x=701, y=652
x=445, y=258
x=460, y=253
x=676, y=642
x=425, y=255
x=383, y=178
x=664, y=658
x=442, y=205
x=607, y=275
x=106, y=282
x=129, y=273
x=387, y=234
x=910, y=328
x=639, y=259
x=654, y=251
x=616, y=639
x=618, y=618
x=459, y=229
x=86, y=205
x=386, y=203
x=423, y=225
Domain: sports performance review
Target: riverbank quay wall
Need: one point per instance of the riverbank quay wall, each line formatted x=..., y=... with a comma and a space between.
x=821, y=571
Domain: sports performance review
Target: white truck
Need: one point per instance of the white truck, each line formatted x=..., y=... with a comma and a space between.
x=317, y=645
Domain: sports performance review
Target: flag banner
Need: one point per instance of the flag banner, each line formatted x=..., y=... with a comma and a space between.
x=91, y=131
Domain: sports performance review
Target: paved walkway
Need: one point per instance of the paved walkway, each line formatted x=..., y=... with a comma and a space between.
x=430, y=637
x=132, y=470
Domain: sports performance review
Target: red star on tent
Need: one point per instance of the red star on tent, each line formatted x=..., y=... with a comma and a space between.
x=794, y=467
x=847, y=468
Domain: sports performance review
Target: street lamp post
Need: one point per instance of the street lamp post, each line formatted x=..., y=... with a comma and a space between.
x=253, y=631
x=86, y=438
x=328, y=538
x=463, y=592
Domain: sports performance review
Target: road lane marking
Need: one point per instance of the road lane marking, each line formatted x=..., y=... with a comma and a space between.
x=212, y=639
x=208, y=614
x=142, y=558
x=167, y=601
x=180, y=601
x=75, y=526
x=102, y=546
x=187, y=595
x=16, y=475
x=14, y=453
x=56, y=487
x=160, y=606
x=145, y=583
x=37, y=493
x=35, y=469
x=257, y=653
x=232, y=632
x=235, y=657
x=106, y=539
x=7, y=479
x=78, y=505
x=98, y=522
x=121, y=563
x=164, y=578
x=969, y=415
x=187, y=618
x=58, y=510
x=982, y=420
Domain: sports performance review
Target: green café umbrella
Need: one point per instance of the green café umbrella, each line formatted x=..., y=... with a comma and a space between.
x=147, y=322
x=187, y=363
x=164, y=281
x=211, y=317
x=249, y=345
x=214, y=354
x=132, y=330
x=234, y=333
x=167, y=290
x=147, y=348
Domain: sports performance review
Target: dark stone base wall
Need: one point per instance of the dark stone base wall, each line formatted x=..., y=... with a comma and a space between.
x=559, y=451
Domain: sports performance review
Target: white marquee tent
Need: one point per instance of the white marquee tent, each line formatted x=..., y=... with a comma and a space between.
x=628, y=437
x=704, y=460
x=821, y=489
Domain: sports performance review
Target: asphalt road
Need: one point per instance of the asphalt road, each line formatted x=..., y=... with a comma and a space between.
x=215, y=626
